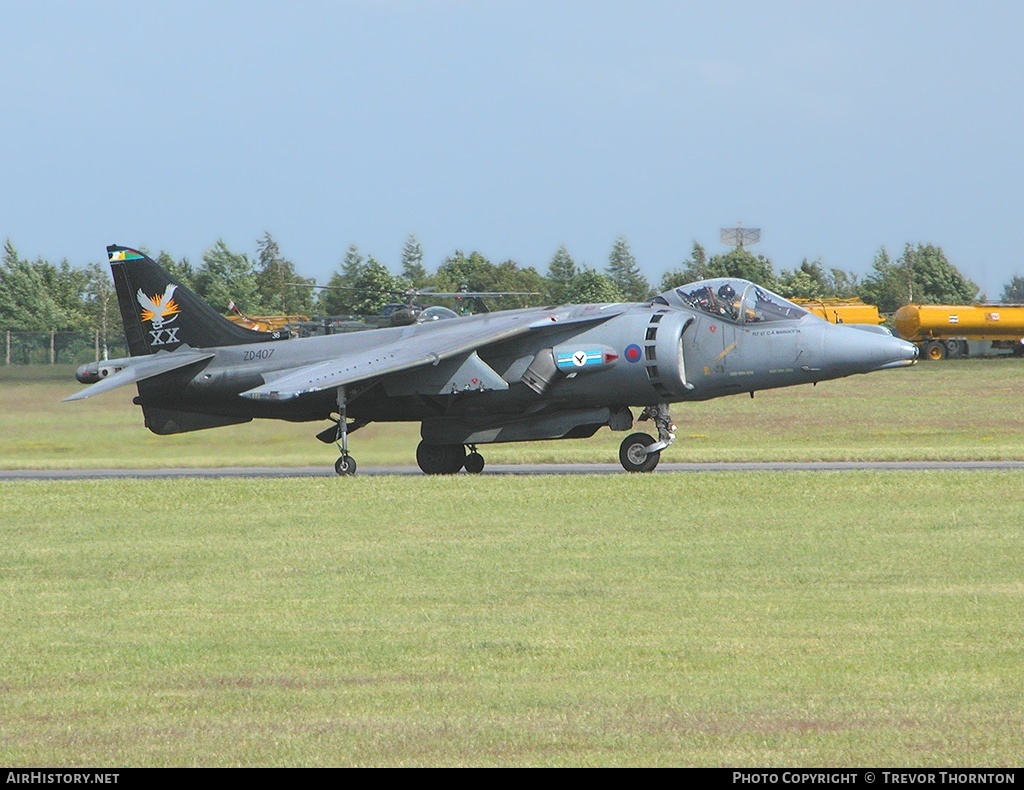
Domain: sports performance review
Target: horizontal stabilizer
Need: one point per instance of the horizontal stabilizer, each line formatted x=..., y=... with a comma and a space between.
x=146, y=367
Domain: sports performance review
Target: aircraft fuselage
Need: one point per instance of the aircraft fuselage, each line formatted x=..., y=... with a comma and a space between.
x=661, y=355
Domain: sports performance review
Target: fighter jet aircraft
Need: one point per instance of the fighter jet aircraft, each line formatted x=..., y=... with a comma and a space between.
x=516, y=375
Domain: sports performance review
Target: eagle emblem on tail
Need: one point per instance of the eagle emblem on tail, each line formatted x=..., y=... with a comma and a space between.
x=160, y=309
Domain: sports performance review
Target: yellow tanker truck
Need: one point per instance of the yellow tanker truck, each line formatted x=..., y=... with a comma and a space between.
x=944, y=331
x=842, y=311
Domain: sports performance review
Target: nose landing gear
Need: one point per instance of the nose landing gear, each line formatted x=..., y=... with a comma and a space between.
x=635, y=454
x=640, y=452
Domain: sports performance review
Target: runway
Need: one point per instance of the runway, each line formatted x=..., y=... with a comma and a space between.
x=509, y=469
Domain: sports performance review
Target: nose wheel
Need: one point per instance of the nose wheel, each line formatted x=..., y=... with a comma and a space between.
x=635, y=455
x=640, y=452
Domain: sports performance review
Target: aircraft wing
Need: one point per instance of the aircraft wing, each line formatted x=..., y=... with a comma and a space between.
x=427, y=348
x=146, y=367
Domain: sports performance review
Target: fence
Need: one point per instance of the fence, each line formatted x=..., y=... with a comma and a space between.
x=59, y=348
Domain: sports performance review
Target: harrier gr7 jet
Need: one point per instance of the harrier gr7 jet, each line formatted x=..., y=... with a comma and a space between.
x=510, y=376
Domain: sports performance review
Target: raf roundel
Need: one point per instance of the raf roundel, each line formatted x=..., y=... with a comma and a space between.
x=633, y=352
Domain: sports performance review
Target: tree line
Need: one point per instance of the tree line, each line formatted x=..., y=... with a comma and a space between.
x=43, y=296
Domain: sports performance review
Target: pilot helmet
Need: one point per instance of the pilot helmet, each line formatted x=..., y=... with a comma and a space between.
x=726, y=292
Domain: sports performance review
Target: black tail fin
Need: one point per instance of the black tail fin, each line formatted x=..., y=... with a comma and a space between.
x=159, y=313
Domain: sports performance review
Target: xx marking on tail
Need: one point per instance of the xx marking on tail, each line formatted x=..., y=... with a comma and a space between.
x=160, y=309
x=164, y=337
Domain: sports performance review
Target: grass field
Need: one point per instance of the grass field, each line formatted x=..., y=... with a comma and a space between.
x=792, y=619
x=787, y=619
x=964, y=409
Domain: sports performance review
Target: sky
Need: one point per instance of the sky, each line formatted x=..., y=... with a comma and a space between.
x=512, y=127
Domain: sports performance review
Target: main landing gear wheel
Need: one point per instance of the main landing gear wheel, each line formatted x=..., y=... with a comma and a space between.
x=346, y=465
x=441, y=459
x=633, y=453
x=474, y=463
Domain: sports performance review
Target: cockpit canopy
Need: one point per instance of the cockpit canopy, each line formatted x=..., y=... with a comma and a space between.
x=436, y=313
x=738, y=301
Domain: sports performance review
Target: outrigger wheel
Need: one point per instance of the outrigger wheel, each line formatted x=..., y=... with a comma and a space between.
x=346, y=465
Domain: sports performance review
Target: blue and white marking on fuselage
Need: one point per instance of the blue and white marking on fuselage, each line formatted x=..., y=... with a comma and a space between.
x=574, y=360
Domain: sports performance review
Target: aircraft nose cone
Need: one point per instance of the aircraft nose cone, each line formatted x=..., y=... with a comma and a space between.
x=905, y=353
x=863, y=351
x=889, y=352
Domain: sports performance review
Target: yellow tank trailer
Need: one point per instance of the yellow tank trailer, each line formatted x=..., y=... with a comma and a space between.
x=944, y=331
x=842, y=311
x=266, y=323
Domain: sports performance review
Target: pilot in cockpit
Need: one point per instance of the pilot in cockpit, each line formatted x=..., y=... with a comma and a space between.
x=722, y=303
x=727, y=302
